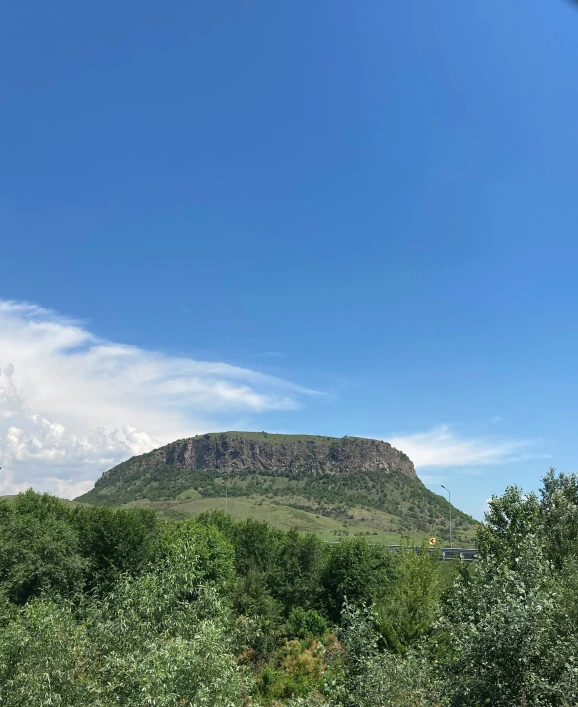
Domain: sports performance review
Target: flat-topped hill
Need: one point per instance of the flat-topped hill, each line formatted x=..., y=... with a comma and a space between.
x=328, y=485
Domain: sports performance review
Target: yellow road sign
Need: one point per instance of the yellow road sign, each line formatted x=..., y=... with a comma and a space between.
x=432, y=541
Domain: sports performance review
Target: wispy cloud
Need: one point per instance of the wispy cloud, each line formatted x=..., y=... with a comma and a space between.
x=442, y=447
x=72, y=405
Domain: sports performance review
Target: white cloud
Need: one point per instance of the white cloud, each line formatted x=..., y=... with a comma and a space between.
x=440, y=446
x=72, y=405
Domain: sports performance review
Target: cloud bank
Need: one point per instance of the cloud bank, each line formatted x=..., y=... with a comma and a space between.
x=73, y=405
x=441, y=447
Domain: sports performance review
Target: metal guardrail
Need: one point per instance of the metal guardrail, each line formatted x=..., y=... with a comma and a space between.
x=445, y=553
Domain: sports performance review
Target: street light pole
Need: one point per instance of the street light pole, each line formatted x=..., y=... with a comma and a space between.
x=450, y=504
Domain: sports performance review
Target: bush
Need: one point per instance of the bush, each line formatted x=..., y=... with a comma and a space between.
x=306, y=624
x=204, y=546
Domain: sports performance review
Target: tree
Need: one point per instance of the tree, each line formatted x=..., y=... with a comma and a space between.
x=115, y=542
x=505, y=632
x=212, y=555
x=41, y=658
x=295, y=575
x=39, y=548
x=559, y=507
x=408, y=611
x=509, y=625
x=368, y=677
x=511, y=521
x=161, y=638
x=358, y=571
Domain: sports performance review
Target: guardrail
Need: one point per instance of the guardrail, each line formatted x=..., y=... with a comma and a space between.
x=445, y=553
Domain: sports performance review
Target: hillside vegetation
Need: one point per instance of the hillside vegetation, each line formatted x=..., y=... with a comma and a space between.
x=332, y=487
x=117, y=607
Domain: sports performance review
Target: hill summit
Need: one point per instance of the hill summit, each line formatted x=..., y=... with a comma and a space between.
x=226, y=452
x=333, y=486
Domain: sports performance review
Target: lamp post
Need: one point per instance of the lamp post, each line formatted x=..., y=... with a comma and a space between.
x=450, y=504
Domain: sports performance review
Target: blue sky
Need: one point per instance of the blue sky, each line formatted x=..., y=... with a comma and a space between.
x=326, y=217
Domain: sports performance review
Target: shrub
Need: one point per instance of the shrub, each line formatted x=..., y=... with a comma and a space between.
x=306, y=624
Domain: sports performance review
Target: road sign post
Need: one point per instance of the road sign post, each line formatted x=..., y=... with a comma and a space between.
x=450, y=505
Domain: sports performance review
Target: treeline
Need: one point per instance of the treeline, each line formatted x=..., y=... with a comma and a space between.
x=117, y=607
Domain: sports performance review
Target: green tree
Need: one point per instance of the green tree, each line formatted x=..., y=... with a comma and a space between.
x=559, y=507
x=213, y=555
x=358, y=571
x=408, y=611
x=39, y=548
x=43, y=655
x=506, y=633
x=255, y=545
x=295, y=575
x=161, y=638
x=368, y=677
x=511, y=521
x=115, y=542
x=509, y=625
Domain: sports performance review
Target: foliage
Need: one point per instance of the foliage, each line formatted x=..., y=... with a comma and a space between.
x=407, y=612
x=508, y=636
x=105, y=607
x=559, y=517
x=509, y=625
x=296, y=572
x=159, y=639
x=41, y=657
x=371, y=678
x=214, y=555
x=115, y=542
x=307, y=624
x=39, y=550
x=358, y=572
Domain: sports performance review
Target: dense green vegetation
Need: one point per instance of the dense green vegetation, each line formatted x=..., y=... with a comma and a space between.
x=102, y=606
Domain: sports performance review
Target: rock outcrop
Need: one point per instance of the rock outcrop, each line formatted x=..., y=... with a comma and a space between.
x=250, y=451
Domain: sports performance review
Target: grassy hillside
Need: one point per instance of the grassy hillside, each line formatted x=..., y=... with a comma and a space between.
x=376, y=526
x=384, y=506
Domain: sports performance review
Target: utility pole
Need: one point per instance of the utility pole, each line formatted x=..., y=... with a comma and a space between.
x=226, y=499
x=450, y=504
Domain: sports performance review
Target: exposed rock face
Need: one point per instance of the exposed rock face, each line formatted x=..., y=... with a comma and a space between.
x=238, y=451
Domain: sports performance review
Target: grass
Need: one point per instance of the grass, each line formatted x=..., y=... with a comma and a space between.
x=278, y=439
x=281, y=512
x=390, y=505
x=275, y=440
